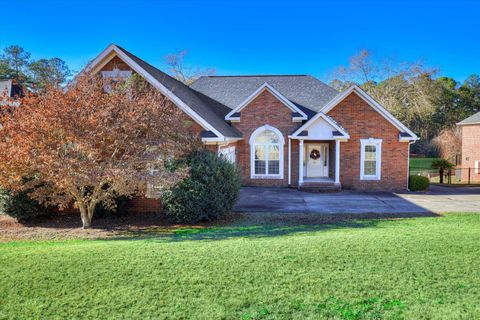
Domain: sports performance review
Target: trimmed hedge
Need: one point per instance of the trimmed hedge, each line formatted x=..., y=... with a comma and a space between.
x=209, y=192
x=418, y=183
x=20, y=205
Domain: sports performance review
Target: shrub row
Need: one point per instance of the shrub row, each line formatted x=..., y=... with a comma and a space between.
x=207, y=194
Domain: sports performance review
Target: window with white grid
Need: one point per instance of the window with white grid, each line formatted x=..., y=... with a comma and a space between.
x=370, y=159
x=267, y=153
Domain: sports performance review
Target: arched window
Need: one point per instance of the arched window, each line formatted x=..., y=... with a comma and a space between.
x=266, y=146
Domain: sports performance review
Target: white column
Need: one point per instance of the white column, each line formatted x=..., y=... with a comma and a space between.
x=337, y=161
x=289, y=161
x=300, y=163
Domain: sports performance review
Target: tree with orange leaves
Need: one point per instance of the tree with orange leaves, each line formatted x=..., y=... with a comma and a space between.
x=85, y=145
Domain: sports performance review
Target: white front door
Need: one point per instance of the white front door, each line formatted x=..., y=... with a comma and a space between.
x=316, y=155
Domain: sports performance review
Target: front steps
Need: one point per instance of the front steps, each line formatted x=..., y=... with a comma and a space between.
x=320, y=187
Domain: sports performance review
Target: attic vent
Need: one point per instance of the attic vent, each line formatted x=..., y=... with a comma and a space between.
x=117, y=73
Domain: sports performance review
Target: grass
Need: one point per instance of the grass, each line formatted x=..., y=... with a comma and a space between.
x=424, y=163
x=420, y=268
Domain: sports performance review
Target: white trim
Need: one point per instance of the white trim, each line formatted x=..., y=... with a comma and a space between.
x=312, y=121
x=467, y=124
x=214, y=140
x=275, y=93
x=477, y=167
x=281, y=145
x=107, y=53
x=378, y=160
x=375, y=105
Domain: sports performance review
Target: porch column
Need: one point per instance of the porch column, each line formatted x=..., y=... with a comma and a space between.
x=337, y=161
x=289, y=161
x=300, y=162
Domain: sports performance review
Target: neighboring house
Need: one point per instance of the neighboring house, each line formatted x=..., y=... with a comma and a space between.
x=471, y=148
x=290, y=130
x=9, y=89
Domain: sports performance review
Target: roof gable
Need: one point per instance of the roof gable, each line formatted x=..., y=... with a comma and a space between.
x=204, y=110
x=235, y=113
x=323, y=127
x=376, y=106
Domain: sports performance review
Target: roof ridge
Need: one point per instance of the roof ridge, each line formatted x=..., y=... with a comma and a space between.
x=257, y=76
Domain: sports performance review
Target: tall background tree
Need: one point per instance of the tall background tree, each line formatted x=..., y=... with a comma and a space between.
x=34, y=75
x=182, y=71
x=14, y=64
x=414, y=94
x=83, y=146
x=49, y=72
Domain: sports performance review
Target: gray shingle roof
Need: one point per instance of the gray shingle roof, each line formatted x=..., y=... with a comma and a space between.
x=306, y=92
x=471, y=120
x=210, y=110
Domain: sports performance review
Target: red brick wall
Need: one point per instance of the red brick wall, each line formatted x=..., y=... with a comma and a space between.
x=143, y=205
x=118, y=63
x=470, y=151
x=264, y=109
x=362, y=122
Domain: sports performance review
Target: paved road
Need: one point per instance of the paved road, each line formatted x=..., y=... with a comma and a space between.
x=437, y=200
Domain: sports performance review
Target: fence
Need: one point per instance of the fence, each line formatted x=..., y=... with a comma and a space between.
x=452, y=176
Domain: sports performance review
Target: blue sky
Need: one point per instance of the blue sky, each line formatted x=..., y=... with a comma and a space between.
x=251, y=37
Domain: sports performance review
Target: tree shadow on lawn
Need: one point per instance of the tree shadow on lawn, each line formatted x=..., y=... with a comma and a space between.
x=261, y=225
x=156, y=227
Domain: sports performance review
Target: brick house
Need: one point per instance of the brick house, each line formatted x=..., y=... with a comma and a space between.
x=471, y=148
x=285, y=131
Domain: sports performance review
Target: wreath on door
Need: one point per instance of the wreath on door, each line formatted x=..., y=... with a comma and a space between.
x=315, y=154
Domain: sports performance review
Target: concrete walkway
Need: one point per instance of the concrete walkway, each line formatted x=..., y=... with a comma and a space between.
x=436, y=200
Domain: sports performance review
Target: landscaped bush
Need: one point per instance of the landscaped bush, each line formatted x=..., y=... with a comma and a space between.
x=20, y=205
x=209, y=192
x=418, y=183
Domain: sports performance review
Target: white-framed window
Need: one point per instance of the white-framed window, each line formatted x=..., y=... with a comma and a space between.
x=477, y=166
x=266, y=153
x=370, y=159
x=228, y=153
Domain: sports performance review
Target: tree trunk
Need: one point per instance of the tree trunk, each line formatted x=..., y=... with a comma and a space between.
x=441, y=175
x=86, y=218
x=90, y=211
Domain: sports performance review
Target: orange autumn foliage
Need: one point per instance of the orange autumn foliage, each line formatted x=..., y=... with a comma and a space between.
x=83, y=145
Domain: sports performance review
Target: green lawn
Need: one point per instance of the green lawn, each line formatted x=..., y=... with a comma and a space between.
x=423, y=163
x=420, y=268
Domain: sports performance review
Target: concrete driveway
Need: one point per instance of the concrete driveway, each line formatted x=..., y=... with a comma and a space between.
x=436, y=200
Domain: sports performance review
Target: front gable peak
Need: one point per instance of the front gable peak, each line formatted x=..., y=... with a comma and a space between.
x=405, y=133
x=297, y=114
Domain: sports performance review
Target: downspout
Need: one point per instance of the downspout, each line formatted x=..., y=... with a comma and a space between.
x=408, y=165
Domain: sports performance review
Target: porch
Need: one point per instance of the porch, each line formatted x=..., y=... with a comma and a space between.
x=319, y=154
x=319, y=164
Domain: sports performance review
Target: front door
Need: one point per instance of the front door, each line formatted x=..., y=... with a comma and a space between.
x=316, y=160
